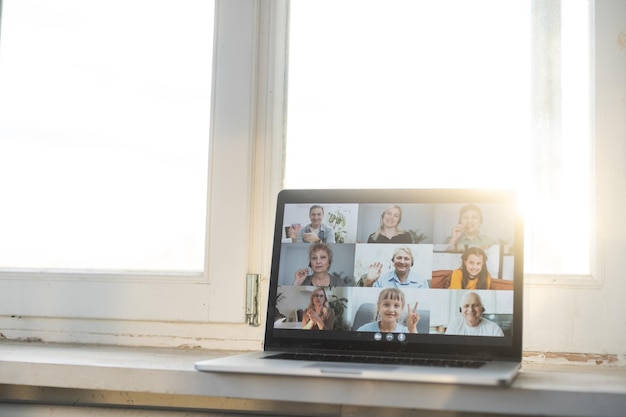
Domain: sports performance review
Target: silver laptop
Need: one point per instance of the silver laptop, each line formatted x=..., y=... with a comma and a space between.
x=403, y=285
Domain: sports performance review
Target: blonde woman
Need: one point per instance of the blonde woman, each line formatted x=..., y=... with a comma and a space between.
x=318, y=315
x=389, y=230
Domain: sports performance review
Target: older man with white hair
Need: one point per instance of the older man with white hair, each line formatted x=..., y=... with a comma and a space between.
x=472, y=322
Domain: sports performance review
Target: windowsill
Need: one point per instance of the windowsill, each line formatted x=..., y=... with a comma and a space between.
x=40, y=373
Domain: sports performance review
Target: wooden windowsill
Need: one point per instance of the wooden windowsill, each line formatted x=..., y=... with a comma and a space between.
x=39, y=373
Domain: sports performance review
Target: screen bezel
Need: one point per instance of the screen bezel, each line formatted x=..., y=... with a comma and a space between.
x=421, y=344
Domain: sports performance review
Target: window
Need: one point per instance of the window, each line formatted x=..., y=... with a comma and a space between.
x=438, y=94
x=157, y=302
x=105, y=134
x=245, y=171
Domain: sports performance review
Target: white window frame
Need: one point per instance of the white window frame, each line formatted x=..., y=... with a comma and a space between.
x=593, y=278
x=205, y=309
x=246, y=173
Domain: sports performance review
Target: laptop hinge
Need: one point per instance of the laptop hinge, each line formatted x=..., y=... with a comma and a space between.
x=252, y=299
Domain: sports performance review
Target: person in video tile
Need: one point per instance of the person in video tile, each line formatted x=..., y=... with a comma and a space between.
x=473, y=273
x=399, y=276
x=472, y=322
x=318, y=316
x=467, y=232
x=314, y=232
x=389, y=311
x=389, y=230
x=320, y=259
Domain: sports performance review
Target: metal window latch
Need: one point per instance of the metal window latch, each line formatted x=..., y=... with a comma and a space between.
x=252, y=299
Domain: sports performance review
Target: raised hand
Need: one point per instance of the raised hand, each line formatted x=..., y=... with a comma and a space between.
x=293, y=231
x=300, y=276
x=373, y=273
x=412, y=319
x=310, y=237
x=457, y=231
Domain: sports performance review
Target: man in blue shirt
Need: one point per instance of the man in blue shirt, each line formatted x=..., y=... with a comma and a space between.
x=398, y=277
x=314, y=232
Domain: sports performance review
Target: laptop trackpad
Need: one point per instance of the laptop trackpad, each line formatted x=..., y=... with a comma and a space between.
x=346, y=368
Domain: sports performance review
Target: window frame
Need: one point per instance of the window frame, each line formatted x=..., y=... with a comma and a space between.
x=247, y=148
x=594, y=278
x=244, y=172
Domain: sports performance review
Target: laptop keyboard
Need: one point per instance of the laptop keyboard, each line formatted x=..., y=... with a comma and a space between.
x=385, y=360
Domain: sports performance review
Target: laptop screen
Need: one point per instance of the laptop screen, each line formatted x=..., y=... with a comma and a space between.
x=435, y=271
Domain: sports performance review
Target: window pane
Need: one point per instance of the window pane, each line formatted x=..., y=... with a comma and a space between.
x=559, y=208
x=104, y=127
x=416, y=94
x=411, y=95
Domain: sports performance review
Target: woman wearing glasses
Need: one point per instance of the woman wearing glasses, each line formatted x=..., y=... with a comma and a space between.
x=318, y=315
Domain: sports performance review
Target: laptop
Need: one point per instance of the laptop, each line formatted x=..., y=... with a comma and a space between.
x=421, y=285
